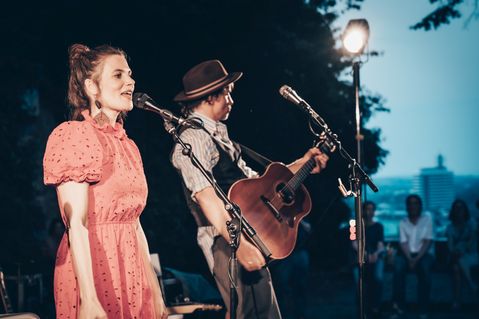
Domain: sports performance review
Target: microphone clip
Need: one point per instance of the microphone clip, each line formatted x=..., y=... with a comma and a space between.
x=344, y=191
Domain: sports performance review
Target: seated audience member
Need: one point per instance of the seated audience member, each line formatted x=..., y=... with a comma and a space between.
x=374, y=267
x=462, y=245
x=415, y=239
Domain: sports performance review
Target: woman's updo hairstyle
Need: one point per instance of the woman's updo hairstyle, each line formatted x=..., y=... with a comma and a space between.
x=84, y=64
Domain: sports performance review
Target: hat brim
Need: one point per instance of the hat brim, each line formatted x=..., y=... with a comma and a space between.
x=231, y=78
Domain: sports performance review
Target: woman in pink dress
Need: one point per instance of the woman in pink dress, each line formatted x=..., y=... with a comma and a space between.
x=102, y=267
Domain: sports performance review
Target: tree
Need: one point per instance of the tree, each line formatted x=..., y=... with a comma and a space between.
x=444, y=13
x=273, y=42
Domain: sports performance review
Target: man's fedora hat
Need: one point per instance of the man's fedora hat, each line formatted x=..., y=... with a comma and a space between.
x=203, y=79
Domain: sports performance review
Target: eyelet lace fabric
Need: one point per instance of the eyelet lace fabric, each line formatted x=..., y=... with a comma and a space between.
x=104, y=157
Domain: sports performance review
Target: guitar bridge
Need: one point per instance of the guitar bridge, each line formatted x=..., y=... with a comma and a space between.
x=272, y=209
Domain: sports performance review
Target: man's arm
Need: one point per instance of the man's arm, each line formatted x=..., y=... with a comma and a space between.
x=320, y=158
x=204, y=194
x=405, y=250
x=213, y=209
x=403, y=241
x=426, y=243
x=380, y=245
x=427, y=240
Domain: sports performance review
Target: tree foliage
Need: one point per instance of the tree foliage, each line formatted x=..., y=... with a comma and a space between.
x=444, y=13
x=272, y=42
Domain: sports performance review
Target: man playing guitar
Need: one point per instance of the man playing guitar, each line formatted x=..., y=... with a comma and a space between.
x=207, y=96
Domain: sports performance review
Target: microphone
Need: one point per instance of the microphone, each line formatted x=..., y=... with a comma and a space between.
x=143, y=101
x=289, y=94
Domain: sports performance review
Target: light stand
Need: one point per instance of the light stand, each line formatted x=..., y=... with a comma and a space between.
x=357, y=178
x=355, y=39
x=357, y=112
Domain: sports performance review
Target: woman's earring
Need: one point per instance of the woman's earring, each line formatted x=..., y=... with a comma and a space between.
x=101, y=117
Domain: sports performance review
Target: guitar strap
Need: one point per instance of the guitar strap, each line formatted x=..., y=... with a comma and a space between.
x=258, y=158
x=262, y=160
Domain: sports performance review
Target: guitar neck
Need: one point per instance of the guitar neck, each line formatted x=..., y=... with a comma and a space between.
x=326, y=147
x=299, y=177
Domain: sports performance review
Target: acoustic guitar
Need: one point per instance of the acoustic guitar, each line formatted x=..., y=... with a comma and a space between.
x=274, y=203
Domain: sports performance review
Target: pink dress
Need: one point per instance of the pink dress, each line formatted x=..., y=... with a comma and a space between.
x=83, y=151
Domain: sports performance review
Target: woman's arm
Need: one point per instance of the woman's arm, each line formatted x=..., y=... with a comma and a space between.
x=472, y=239
x=74, y=199
x=450, y=240
x=160, y=308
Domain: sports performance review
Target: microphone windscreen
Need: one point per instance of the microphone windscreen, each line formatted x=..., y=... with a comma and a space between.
x=139, y=99
x=284, y=90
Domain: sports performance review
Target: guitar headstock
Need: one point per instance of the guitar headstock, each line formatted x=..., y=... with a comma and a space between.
x=325, y=144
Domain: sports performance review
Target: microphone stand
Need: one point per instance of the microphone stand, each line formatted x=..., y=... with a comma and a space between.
x=237, y=223
x=357, y=177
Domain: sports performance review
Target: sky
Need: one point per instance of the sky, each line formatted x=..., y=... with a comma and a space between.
x=430, y=83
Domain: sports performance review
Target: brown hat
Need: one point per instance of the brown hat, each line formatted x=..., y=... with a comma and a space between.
x=204, y=79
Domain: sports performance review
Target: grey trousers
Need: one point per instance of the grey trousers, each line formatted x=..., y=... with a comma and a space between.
x=256, y=297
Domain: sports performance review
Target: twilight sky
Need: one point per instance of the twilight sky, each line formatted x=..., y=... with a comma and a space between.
x=430, y=82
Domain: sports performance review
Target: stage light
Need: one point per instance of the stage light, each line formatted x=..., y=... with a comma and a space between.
x=355, y=39
x=356, y=36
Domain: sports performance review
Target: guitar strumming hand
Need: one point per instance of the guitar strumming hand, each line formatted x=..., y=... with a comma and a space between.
x=249, y=256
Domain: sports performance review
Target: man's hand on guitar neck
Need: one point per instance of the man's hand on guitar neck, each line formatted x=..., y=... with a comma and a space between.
x=320, y=158
x=249, y=256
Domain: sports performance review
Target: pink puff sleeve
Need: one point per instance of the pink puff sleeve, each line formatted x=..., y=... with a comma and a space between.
x=73, y=153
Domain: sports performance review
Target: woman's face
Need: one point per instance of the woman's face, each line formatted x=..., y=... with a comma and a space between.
x=460, y=211
x=115, y=84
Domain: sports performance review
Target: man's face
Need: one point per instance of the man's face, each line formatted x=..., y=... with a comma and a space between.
x=223, y=103
x=369, y=211
x=413, y=207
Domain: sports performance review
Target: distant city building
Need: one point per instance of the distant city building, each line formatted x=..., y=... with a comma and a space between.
x=435, y=186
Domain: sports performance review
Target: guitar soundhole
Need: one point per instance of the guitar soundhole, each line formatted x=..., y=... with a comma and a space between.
x=286, y=194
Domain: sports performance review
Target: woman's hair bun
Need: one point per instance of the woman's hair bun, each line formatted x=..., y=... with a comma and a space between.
x=76, y=51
